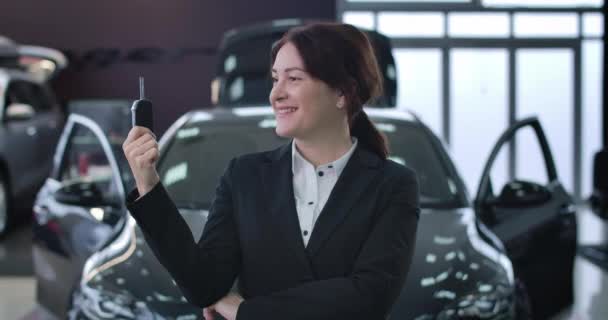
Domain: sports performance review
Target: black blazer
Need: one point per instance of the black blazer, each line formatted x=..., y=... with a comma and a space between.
x=356, y=260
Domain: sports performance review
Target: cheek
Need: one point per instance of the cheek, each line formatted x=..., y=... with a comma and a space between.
x=312, y=99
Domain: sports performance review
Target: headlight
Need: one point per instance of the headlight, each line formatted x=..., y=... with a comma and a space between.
x=90, y=303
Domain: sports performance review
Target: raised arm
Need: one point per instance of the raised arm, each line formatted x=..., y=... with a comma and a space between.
x=204, y=271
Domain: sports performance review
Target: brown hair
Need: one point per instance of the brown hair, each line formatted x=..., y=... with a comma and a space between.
x=342, y=56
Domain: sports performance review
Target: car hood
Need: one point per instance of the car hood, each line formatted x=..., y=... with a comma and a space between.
x=125, y=279
x=454, y=270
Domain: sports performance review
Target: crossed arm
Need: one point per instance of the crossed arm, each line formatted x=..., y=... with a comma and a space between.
x=205, y=271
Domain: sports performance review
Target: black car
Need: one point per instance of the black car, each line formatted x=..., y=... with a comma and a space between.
x=31, y=120
x=473, y=259
x=242, y=75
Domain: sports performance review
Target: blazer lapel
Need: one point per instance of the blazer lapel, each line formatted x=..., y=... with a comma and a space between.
x=278, y=192
x=353, y=181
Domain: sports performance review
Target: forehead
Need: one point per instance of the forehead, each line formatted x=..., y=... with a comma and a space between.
x=288, y=57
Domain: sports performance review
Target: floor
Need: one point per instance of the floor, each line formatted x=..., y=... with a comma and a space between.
x=17, y=286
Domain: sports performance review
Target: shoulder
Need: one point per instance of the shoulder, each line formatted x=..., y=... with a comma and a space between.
x=255, y=159
x=402, y=184
x=398, y=173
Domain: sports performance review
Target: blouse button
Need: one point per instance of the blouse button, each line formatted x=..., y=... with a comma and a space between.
x=305, y=232
x=320, y=173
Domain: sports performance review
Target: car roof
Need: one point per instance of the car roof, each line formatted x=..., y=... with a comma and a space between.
x=31, y=62
x=279, y=26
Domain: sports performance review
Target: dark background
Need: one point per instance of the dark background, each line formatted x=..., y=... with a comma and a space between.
x=172, y=43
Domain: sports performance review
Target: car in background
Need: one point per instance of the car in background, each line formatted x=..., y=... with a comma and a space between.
x=92, y=262
x=242, y=75
x=31, y=120
x=488, y=257
x=242, y=80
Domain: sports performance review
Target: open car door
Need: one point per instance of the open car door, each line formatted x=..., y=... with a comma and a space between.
x=77, y=211
x=533, y=215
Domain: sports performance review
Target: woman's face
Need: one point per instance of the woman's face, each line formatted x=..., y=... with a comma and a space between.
x=305, y=107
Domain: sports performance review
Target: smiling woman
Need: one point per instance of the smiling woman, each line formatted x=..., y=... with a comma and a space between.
x=313, y=70
x=320, y=228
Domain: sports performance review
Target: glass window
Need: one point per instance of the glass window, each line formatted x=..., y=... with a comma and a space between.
x=416, y=1
x=479, y=99
x=86, y=161
x=360, y=19
x=593, y=24
x=420, y=24
x=551, y=25
x=467, y=25
x=545, y=89
x=420, y=85
x=543, y=3
x=592, y=110
x=530, y=163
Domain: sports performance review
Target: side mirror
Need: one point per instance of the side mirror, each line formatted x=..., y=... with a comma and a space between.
x=19, y=112
x=86, y=194
x=518, y=194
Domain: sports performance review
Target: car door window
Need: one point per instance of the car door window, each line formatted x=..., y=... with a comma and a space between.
x=530, y=163
x=86, y=161
x=502, y=201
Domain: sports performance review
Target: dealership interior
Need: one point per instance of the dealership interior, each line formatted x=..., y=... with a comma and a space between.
x=496, y=105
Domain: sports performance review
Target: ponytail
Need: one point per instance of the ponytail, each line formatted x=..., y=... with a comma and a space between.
x=368, y=135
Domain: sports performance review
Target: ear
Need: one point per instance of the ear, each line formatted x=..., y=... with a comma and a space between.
x=341, y=103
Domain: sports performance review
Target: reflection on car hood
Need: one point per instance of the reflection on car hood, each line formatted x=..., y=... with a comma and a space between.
x=454, y=272
x=125, y=280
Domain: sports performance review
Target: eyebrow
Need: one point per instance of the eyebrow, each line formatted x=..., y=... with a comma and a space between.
x=290, y=69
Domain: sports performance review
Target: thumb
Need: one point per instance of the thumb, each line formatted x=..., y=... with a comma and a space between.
x=208, y=313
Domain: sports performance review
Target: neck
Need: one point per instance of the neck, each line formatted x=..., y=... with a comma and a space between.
x=324, y=150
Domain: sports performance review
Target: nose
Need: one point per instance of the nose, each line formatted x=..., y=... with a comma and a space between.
x=277, y=93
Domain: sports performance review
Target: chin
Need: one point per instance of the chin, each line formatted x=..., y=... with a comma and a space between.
x=283, y=133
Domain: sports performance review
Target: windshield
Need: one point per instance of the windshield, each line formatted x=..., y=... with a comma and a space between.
x=199, y=153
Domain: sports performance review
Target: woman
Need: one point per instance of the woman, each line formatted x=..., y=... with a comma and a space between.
x=336, y=236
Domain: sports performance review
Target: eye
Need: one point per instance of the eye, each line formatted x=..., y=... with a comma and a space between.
x=293, y=78
x=274, y=80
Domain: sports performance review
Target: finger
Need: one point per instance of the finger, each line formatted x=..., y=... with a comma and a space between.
x=129, y=149
x=208, y=314
x=135, y=133
x=139, y=141
x=144, y=130
x=148, y=158
x=143, y=148
x=135, y=151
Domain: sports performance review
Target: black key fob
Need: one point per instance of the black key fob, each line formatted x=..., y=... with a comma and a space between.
x=141, y=111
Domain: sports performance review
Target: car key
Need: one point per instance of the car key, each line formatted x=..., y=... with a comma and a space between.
x=141, y=111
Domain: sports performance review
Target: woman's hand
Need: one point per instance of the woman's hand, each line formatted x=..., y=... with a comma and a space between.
x=228, y=306
x=141, y=151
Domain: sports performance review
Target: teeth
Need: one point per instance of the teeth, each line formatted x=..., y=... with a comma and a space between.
x=286, y=110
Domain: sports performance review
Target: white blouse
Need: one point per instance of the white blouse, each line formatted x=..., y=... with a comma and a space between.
x=312, y=186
